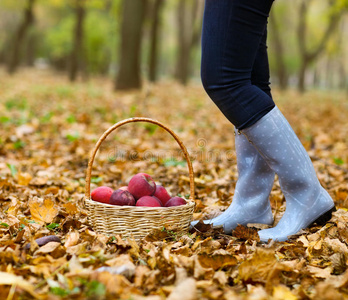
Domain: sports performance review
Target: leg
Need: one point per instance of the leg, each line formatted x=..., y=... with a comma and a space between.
x=232, y=33
x=260, y=72
x=255, y=179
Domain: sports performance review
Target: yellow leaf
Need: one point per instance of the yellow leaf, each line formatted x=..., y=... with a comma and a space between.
x=71, y=208
x=43, y=211
x=11, y=279
x=282, y=292
x=23, y=178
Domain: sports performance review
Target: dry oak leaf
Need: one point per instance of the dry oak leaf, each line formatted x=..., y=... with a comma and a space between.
x=245, y=233
x=262, y=267
x=43, y=211
x=319, y=272
x=216, y=260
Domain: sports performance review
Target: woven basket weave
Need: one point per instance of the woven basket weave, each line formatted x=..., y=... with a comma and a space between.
x=138, y=221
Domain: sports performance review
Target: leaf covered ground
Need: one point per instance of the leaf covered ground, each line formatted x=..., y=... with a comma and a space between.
x=48, y=128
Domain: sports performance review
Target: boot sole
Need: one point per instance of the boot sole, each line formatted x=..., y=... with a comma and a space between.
x=324, y=218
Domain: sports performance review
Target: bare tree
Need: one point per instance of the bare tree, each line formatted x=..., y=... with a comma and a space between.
x=189, y=29
x=277, y=44
x=77, y=53
x=20, y=35
x=129, y=76
x=308, y=56
x=154, y=34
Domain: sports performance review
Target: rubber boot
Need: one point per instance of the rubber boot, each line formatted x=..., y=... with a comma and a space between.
x=250, y=203
x=307, y=202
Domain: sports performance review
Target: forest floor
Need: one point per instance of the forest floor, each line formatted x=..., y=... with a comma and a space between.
x=48, y=128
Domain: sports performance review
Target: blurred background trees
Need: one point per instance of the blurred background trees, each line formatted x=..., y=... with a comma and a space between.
x=136, y=40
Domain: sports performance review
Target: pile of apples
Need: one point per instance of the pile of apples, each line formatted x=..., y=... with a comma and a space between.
x=141, y=191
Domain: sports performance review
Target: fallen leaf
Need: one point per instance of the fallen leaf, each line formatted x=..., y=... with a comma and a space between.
x=263, y=267
x=71, y=208
x=11, y=279
x=185, y=290
x=201, y=227
x=281, y=292
x=48, y=248
x=320, y=272
x=245, y=233
x=23, y=178
x=43, y=211
x=44, y=240
x=72, y=239
x=216, y=261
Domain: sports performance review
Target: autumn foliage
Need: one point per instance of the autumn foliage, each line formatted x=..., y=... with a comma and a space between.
x=49, y=251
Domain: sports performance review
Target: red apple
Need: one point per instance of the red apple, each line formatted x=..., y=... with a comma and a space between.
x=102, y=194
x=175, y=201
x=124, y=188
x=141, y=185
x=149, y=201
x=121, y=197
x=159, y=201
x=162, y=194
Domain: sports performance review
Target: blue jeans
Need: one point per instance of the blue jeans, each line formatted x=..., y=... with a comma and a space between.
x=234, y=68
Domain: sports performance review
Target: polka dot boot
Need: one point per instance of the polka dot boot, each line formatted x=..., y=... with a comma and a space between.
x=307, y=202
x=251, y=199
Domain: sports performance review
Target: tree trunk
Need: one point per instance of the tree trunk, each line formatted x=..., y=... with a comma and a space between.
x=155, y=28
x=76, y=57
x=307, y=57
x=187, y=13
x=129, y=76
x=282, y=73
x=302, y=75
x=20, y=35
x=31, y=50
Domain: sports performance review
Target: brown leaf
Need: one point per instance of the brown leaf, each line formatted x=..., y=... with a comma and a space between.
x=202, y=227
x=43, y=211
x=245, y=233
x=140, y=275
x=158, y=235
x=72, y=239
x=263, y=267
x=325, y=290
x=185, y=290
x=208, y=245
x=48, y=248
x=216, y=261
x=115, y=284
x=320, y=272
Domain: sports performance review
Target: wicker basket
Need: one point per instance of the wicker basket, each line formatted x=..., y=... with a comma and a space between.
x=137, y=221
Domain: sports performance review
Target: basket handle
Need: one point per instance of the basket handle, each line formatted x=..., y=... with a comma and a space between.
x=130, y=120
